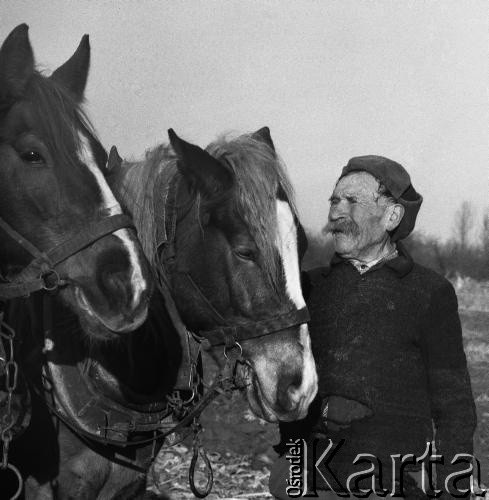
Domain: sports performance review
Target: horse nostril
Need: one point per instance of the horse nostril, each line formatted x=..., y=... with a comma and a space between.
x=294, y=394
x=290, y=395
x=123, y=296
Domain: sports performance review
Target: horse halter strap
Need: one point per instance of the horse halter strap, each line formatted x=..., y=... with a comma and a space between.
x=228, y=335
x=40, y=273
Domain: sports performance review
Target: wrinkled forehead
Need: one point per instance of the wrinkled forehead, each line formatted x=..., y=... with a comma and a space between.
x=358, y=184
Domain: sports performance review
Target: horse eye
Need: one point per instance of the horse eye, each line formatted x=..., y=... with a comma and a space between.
x=245, y=253
x=32, y=157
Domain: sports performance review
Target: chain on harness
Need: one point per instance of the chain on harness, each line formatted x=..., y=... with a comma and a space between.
x=10, y=369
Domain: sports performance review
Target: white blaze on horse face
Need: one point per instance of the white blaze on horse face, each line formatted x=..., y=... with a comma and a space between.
x=287, y=246
x=112, y=207
x=309, y=384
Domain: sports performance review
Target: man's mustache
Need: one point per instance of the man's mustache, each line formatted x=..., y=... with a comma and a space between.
x=348, y=227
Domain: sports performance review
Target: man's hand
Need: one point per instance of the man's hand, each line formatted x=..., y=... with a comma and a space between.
x=339, y=412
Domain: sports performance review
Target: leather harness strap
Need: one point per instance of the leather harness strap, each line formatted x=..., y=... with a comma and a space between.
x=229, y=335
x=26, y=244
x=40, y=273
x=91, y=234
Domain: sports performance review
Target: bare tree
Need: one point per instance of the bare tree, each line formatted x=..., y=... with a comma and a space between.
x=485, y=231
x=464, y=222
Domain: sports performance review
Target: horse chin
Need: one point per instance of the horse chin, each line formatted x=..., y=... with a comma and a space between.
x=98, y=327
x=256, y=400
x=259, y=406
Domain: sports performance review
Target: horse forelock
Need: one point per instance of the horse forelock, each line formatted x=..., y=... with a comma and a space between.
x=260, y=179
x=62, y=124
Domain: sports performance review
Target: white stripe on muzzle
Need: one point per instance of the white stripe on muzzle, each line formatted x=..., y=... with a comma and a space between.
x=111, y=207
x=287, y=247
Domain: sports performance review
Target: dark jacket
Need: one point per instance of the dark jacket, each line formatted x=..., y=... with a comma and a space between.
x=390, y=339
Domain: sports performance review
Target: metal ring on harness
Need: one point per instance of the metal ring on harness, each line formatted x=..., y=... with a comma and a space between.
x=190, y=399
x=48, y=277
x=19, y=480
x=236, y=344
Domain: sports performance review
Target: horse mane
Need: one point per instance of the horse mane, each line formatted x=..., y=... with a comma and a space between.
x=260, y=178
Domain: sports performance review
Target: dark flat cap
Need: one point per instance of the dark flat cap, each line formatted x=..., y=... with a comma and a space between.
x=397, y=181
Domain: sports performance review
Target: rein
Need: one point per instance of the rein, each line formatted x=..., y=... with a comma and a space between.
x=40, y=273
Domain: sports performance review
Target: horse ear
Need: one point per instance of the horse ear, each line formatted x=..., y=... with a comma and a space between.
x=114, y=161
x=201, y=169
x=263, y=135
x=16, y=63
x=73, y=73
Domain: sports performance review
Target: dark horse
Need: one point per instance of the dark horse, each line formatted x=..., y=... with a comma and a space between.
x=219, y=229
x=52, y=189
x=60, y=225
x=221, y=226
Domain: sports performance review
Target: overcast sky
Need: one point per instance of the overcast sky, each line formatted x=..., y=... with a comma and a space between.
x=332, y=80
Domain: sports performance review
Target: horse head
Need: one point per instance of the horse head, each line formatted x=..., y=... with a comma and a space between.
x=236, y=272
x=52, y=190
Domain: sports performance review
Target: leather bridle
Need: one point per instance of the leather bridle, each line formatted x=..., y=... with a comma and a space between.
x=227, y=335
x=41, y=273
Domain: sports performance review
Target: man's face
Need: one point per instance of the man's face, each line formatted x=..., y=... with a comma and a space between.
x=357, y=217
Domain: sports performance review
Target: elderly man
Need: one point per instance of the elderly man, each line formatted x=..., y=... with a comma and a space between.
x=387, y=341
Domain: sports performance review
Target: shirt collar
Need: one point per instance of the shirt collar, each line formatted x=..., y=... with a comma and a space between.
x=363, y=267
x=401, y=264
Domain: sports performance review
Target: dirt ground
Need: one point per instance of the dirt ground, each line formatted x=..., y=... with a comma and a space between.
x=239, y=446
